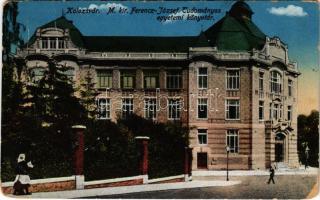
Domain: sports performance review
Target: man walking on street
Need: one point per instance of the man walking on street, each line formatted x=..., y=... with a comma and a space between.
x=271, y=175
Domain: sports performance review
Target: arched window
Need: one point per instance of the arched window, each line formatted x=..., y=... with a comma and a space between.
x=275, y=82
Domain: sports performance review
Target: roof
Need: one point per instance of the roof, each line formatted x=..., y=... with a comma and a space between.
x=139, y=43
x=236, y=34
x=231, y=33
x=63, y=23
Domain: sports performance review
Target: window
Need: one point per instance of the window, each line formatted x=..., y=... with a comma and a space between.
x=44, y=43
x=150, y=108
x=232, y=109
x=260, y=81
x=128, y=79
x=174, y=80
x=233, y=79
x=127, y=107
x=289, y=88
x=103, y=108
x=69, y=72
x=233, y=140
x=275, y=111
x=261, y=110
x=202, y=108
x=174, y=109
x=270, y=111
x=202, y=136
x=37, y=74
x=60, y=43
x=202, y=78
x=104, y=79
x=151, y=79
x=52, y=42
x=275, y=82
x=289, y=113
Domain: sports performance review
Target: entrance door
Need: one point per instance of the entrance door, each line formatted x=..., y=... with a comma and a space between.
x=202, y=160
x=279, y=147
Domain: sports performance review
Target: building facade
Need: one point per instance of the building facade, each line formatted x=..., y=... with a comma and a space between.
x=232, y=84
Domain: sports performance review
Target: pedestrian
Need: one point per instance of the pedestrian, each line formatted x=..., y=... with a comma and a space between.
x=306, y=158
x=271, y=175
x=22, y=180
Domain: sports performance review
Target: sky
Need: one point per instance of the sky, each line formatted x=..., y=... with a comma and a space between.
x=295, y=22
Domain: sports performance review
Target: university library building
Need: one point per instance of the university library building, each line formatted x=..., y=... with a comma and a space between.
x=231, y=83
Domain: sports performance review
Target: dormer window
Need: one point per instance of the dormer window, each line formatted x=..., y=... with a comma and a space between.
x=60, y=43
x=44, y=43
x=52, y=43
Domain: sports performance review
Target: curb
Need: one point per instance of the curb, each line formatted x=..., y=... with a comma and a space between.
x=128, y=189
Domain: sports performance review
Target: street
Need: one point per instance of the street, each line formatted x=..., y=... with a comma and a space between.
x=252, y=187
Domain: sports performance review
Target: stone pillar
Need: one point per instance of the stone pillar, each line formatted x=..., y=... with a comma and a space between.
x=78, y=131
x=143, y=143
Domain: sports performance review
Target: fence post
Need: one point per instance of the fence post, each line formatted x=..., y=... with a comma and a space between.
x=78, y=131
x=144, y=162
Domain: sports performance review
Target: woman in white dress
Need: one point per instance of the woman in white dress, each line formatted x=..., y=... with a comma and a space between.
x=22, y=181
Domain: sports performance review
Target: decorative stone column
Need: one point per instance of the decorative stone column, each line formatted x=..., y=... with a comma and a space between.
x=143, y=143
x=78, y=131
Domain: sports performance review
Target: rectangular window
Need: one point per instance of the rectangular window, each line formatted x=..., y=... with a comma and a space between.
x=37, y=74
x=261, y=110
x=103, y=108
x=270, y=111
x=289, y=88
x=151, y=79
x=289, y=113
x=202, y=108
x=104, y=79
x=174, y=109
x=150, y=108
x=53, y=43
x=127, y=107
x=261, y=82
x=233, y=79
x=232, y=109
x=275, y=82
x=233, y=140
x=60, y=43
x=174, y=80
x=44, y=43
x=275, y=111
x=202, y=78
x=128, y=79
x=202, y=136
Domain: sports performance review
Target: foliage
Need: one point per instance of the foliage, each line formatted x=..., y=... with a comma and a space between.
x=52, y=99
x=308, y=135
x=166, y=146
x=111, y=150
x=88, y=95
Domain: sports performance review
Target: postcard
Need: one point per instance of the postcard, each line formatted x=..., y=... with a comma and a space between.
x=168, y=99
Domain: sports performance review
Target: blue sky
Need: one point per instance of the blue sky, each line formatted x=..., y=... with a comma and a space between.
x=295, y=22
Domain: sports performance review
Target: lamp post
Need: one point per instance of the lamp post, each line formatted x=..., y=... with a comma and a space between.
x=228, y=150
x=307, y=156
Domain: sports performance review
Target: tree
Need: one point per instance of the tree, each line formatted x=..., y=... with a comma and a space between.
x=308, y=136
x=53, y=99
x=88, y=95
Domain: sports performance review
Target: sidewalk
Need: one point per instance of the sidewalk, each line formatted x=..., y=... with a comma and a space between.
x=127, y=189
x=281, y=171
x=96, y=192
